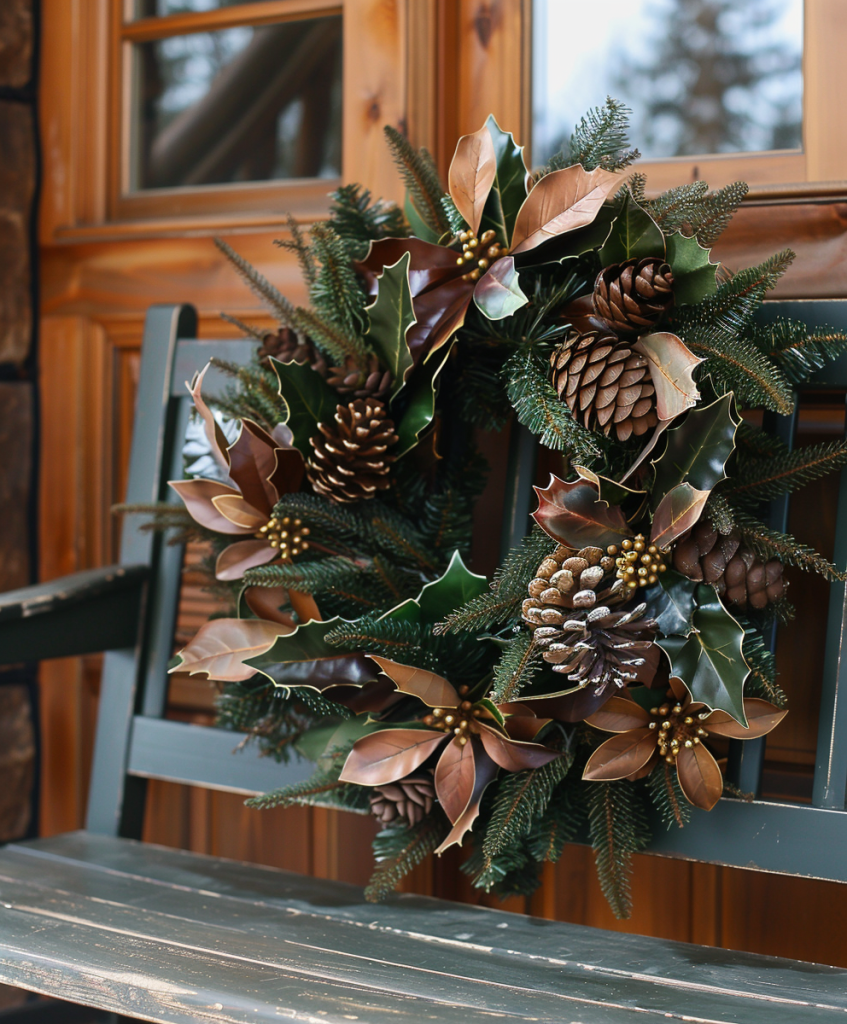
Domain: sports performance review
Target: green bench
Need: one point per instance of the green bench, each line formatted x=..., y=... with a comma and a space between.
x=100, y=919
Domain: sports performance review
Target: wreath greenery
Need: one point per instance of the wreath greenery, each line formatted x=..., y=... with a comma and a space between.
x=588, y=687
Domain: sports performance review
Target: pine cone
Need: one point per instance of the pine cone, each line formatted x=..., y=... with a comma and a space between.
x=734, y=570
x=569, y=580
x=634, y=294
x=287, y=346
x=599, y=648
x=410, y=799
x=352, y=379
x=605, y=383
x=349, y=462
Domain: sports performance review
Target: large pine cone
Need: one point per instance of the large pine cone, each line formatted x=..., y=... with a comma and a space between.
x=734, y=570
x=361, y=382
x=288, y=346
x=605, y=383
x=350, y=461
x=410, y=799
x=569, y=580
x=634, y=294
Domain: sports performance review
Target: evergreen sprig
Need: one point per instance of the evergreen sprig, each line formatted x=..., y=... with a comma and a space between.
x=519, y=663
x=767, y=544
x=559, y=824
x=799, y=351
x=766, y=480
x=300, y=247
x=694, y=210
x=762, y=679
x=667, y=796
x=336, y=292
x=601, y=139
x=399, y=849
x=420, y=176
x=310, y=577
x=618, y=827
x=321, y=789
x=359, y=220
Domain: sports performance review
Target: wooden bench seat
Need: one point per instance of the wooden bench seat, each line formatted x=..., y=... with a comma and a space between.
x=172, y=936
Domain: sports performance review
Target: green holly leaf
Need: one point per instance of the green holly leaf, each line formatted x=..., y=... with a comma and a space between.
x=391, y=315
x=304, y=658
x=508, y=191
x=696, y=452
x=493, y=710
x=455, y=587
x=611, y=491
x=420, y=229
x=421, y=392
x=498, y=293
x=315, y=743
x=710, y=661
x=693, y=271
x=671, y=603
x=572, y=244
x=308, y=398
x=634, y=235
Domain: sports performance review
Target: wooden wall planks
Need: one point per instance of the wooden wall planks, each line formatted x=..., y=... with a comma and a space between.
x=98, y=278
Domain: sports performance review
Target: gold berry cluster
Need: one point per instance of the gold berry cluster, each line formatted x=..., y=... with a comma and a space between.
x=481, y=251
x=287, y=534
x=638, y=562
x=460, y=721
x=676, y=730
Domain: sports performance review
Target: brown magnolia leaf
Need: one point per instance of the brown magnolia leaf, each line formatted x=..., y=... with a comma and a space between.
x=619, y=715
x=240, y=512
x=762, y=716
x=521, y=722
x=672, y=366
x=471, y=175
x=289, y=468
x=388, y=755
x=236, y=559
x=198, y=497
x=514, y=755
x=221, y=647
x=620, y=756
x=211, y=428
x=454, y=778
x=573, y=514
x=699, y=777
x=252, y=460
x=265, y=602
x=678, y=511
x=486, y=772
x=304, y=606
x=560, y=202
x=432, y=689
x=680, y=691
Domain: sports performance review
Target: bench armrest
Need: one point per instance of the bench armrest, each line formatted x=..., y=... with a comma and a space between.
x=86, y=612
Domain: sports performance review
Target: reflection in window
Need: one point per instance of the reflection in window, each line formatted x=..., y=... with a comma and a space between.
x=701, y=76
x=161, y=8
x=240, y=104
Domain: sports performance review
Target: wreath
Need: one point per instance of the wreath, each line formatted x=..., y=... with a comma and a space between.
x=589, y=689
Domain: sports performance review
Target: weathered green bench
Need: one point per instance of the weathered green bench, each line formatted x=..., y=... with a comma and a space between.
x=100, y=919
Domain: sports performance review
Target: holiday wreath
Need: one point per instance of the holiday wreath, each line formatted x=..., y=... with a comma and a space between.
x=622, y=641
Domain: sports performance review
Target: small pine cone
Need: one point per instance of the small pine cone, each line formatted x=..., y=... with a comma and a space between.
x=634, y=294
x=353, y=379
x=605, y=383
x=735, y=571
x=287, y=346
x=350, y=461
x=567, y=581
x=410, y=799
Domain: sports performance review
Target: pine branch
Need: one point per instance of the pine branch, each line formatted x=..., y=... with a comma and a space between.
x=336, y=292
x=516, y=668
x=358, y=220
x=738, y=366
x=297, y=244
x=667, y=796
x=767, y=544
x=336, y=343
x=259, y=284
x=764, y=481
x=675, y=209
x=480, y=613
x=560, y=822
x=397, y=850
x=390, y=638
x=521, y=798
x=321, y=789
x=618, y=827
x=762, y=679
x=250, y=332
x=310, y=577
x=755, y=442
x=799, y=351
x=537, y=407
x=454, y=218
x=420, y=176
x=601, y=138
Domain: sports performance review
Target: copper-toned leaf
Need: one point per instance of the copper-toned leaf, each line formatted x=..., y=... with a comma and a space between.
x=573, y=514
x=252, y=460
x=266, y=603
x=432, y=689
x=762, y=716
x=289, y=469
x=520, y=721
x=388, y=755
x=560, y=202
x=619, y=715
x=222, y=646
x=236, y=559
x=679, y=690
x=699, y=777
x=486, y=772
x=214, y=434
x=239, y=512
x=678, y=511
x=621, y=756
x=471, y=175
x=514, y=755
x=454, y=778
x=671, y=369
x=304, y=606
x=199, y=495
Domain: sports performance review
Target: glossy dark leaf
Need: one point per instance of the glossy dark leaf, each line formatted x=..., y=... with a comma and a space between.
x=420, y=229
x=421, y=393
x=678, y=511
x=572, y=514
x=634, y=235
x=309, y=399
x=693, y=272
x=698, y=449
x=508, y=190
x=610, y=491
x=671, y=603
x=390, y=317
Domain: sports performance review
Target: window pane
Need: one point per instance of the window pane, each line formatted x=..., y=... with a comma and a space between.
x=701, y=76
x=240, y=104
x=161, y=8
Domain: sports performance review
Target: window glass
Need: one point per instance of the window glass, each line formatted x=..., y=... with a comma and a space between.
x=161, y=8
x=239, y=104
x=701, y=76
